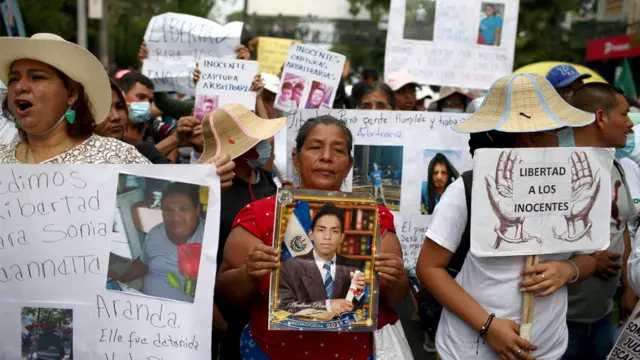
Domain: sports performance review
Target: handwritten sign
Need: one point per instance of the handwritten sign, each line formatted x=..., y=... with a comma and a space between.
x=177, y=41
x=309, y=79
x=628, y=345
x=540, y=201
x=272, y=53
x=54, y=250
x=225, y=81
x=464, y=43
x=408, y=142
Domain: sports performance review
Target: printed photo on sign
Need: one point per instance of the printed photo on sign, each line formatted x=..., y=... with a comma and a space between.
x=377, y=170
x=327, y=243
x=204, y=105
x=46, y=333
x=319, y=96
x=440, y=171
x=491, y=22
x=291, y=92
x=164, y=223
x=540, y=201
x=419, y=19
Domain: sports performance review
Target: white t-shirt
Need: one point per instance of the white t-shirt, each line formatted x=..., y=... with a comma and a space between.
x=493, y=283
x=632, y=175
x=421, y=14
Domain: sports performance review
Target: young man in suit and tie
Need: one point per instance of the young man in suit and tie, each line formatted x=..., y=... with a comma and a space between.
x=320, y=279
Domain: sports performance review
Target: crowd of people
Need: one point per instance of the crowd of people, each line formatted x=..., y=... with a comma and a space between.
x=66, y=110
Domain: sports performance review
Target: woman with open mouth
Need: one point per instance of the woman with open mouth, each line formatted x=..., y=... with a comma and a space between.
x=57, y=93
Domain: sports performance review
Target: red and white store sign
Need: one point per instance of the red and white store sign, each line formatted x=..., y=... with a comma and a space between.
x=614, y=47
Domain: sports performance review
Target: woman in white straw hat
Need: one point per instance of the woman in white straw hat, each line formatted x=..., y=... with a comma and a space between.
x=57, y=92
x=485, y=298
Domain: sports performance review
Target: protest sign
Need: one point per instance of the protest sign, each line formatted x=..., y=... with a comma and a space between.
x=540, y=201
x=299, y=298
x=462, y=43
x=309, y=79
x=224, y=81
x=407, y=147
x=272, y=53
x=176, y=42
x=55, y=246
x=628, y=345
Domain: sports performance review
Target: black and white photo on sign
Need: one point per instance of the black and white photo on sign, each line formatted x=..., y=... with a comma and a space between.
x=419, y=19
x=377, y=170
x=543, y=202
x=166, y=221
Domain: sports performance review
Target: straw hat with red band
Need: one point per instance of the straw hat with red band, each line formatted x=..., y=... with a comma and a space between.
x=233, y=130
x=73, y=60
x=523, y=103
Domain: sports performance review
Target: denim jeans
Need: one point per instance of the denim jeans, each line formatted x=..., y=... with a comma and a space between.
x=590, y=341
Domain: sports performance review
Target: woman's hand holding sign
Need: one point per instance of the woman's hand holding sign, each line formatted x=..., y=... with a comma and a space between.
x=260, y=261
x=504, y=338
x=548, y=277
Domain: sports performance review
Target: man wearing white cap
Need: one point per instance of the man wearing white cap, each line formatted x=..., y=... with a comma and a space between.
x=404, y=87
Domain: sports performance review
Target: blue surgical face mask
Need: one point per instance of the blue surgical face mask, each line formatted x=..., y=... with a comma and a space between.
x=565, y=138
x=140, y=112
x=451, y=110
x=264, y=154
x=624, y=152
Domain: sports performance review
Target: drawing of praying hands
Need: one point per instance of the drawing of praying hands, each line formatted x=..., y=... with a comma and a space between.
x=585, y=187
x=500, y=193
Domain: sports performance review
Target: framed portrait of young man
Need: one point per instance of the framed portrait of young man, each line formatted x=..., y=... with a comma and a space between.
x=327, y=243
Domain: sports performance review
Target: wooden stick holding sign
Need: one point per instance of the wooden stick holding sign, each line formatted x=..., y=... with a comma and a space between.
x=526, y=319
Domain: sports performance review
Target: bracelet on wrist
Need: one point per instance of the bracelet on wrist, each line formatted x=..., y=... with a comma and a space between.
x=483, y=331
x=575, y=272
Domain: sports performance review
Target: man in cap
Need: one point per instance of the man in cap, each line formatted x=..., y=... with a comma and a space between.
x=566, y=80
x=589, y=315
x=376, y=179
x=404, y=87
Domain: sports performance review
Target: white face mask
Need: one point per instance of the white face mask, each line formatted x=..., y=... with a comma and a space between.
x=451, y=110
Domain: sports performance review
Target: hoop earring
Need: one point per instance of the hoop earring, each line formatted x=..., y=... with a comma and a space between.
x=70, y=115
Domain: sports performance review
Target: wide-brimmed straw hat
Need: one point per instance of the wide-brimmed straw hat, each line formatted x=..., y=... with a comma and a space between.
x=445, y=92
x=233, y=130
x=73, y=60
x=524, y=103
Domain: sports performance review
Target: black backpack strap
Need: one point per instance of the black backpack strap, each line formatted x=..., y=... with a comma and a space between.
x=455, y=264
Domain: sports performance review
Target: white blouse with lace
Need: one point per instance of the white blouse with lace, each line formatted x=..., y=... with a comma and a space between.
x=95, y=150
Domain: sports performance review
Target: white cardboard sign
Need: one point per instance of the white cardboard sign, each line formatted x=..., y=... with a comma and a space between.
x=464, y=43
x=177, y=41
x=54, y=255
x=310, y=78
x=628, y=345
x=404, y=144
x=540, y=201
x=224, y=81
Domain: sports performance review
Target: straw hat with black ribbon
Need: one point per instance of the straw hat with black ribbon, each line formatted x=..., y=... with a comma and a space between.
x=73, y=60
x=233, y=130
x=523, y=103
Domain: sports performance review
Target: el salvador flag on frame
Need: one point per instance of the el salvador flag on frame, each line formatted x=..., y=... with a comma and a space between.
x=296, y=237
